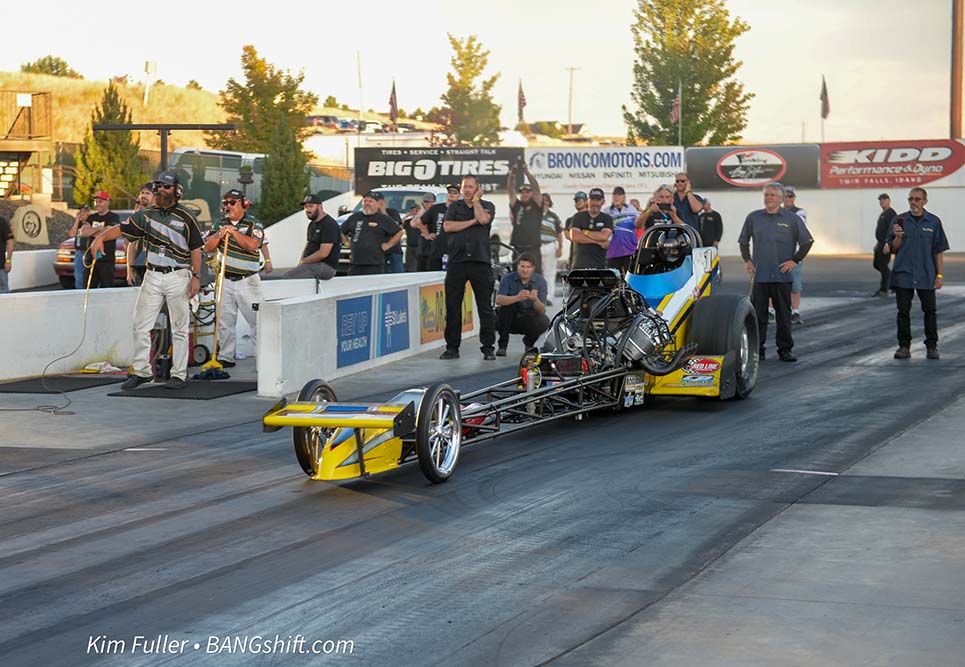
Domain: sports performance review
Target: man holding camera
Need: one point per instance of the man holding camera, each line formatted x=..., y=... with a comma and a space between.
x=525, y=214
x=522, y=305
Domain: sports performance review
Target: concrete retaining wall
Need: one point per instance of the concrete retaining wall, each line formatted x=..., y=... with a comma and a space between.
x=33, y=268
x=352, y=326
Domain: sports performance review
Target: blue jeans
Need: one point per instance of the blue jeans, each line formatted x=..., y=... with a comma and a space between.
x=393, y=263
x=796, y=284
x=4, y=282
x=78, y=269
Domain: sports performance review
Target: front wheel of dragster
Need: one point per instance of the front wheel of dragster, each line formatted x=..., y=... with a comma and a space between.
x=724, y=324
x=439, y=433
x=309, y=441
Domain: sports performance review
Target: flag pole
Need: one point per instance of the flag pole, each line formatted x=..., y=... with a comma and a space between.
x=680, y=115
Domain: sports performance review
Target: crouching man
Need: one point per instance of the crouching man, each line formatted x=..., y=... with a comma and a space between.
x=522, y=305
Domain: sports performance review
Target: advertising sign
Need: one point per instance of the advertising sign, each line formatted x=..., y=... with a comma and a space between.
x=354, y=319
x=727, y=167
x=639, y=169
x=433, y=166
x=393, y=322
x=432, y=312
x=887, y=164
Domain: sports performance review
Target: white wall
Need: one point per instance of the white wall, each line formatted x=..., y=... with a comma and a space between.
x=41, y=326
x=286, y=237
x=33, y=268
x=297, y=337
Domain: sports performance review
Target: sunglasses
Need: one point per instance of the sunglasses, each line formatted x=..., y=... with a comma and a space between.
x=916, y=199
x=162, y=186
x=680, y=180
x=229, y=202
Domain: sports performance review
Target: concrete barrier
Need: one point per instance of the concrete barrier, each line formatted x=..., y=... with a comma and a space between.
x=41, y=326
x=352, y=325
x=33, y=268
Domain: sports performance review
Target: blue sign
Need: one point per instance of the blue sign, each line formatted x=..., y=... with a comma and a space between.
x=354, y=321
x=393, y=322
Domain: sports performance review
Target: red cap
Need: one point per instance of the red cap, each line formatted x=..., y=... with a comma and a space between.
x=102, y=194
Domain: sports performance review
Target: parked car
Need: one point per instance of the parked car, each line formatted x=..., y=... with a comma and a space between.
x=330, y=122
x=64, y=263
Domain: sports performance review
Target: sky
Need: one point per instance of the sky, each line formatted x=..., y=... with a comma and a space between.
x=886, y=62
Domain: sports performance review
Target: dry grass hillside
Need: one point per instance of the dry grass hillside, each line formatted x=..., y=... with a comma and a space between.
x=74, y=100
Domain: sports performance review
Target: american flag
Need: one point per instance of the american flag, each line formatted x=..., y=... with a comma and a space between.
x=675, y=111
x=393, y=105
x=520, y=102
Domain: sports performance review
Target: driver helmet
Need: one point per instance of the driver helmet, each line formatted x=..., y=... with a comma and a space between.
x=671, y=245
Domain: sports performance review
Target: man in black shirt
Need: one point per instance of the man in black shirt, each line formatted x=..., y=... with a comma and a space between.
x=591, y=231
x=324, y=243
x=370, y=234
x=882, y=258
x=526, y=215
x=6, y=250
x=711, y=225
x=413, y=231
x=435, y=241
x=97, y=223
x=467, y=224
x=393, y=256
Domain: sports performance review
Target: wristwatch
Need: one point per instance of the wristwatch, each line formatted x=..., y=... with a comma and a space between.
x=196, y=275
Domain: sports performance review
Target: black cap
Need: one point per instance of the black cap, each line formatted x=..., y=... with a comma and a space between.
x=311, y=199
x=453, y=188
x=374, y=194
x=428, y=197
x=233, y=193
x=146, y=186
x=167, y=178
x=525, y=187
x=884, y=195
x=618, y=190
x=597, y=193
x=579, y=195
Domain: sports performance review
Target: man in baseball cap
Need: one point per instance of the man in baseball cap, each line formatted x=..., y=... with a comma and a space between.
x=96, y=224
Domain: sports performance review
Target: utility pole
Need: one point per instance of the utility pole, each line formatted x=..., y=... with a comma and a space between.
x=358, y=136
x=569, y=112
x=956, y=101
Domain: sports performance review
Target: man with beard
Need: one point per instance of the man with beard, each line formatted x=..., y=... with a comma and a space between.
x=688, y=204
x=526, y=215
x=371, y=234
x=434, y=242
x=324, y=243
x=241, y=288
x=172, y=239
x=136, y=257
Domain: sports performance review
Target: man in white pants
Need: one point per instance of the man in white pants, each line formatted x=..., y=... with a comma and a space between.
x=241, y=288
x=172, y=239
x=551, y=245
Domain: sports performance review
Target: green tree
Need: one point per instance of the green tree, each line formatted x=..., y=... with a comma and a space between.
x=50, y=65
x=330, y=102
x=193, y=85
x=108, y=159
x=471, y=117
x=690, y=44
x=285, y=180
x=267, y=96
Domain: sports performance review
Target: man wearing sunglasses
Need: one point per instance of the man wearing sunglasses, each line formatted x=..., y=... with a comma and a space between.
x=241, y=288
x=687, y=204
x=172, y=240
x=917, y=241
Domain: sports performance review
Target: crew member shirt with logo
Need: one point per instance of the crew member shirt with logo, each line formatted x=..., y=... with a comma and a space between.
x=472, y=244
x=624, y=241
x=98, y=221
x=777, y=238
x=168, y=235
x=241, y=262
x=527, y=220
x=321, y=231
x=366, y=234
x=590, y=255
x=433, y=219
x=915, y=266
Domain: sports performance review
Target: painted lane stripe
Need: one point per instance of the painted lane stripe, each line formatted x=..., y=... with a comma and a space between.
x=807, y=472
x=146, y=449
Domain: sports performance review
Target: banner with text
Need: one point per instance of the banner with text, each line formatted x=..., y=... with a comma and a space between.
x=433, y=166
x=728, y=167
x=892, y=164
x=432, y=312
x=354, y=320
x=639, y=169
